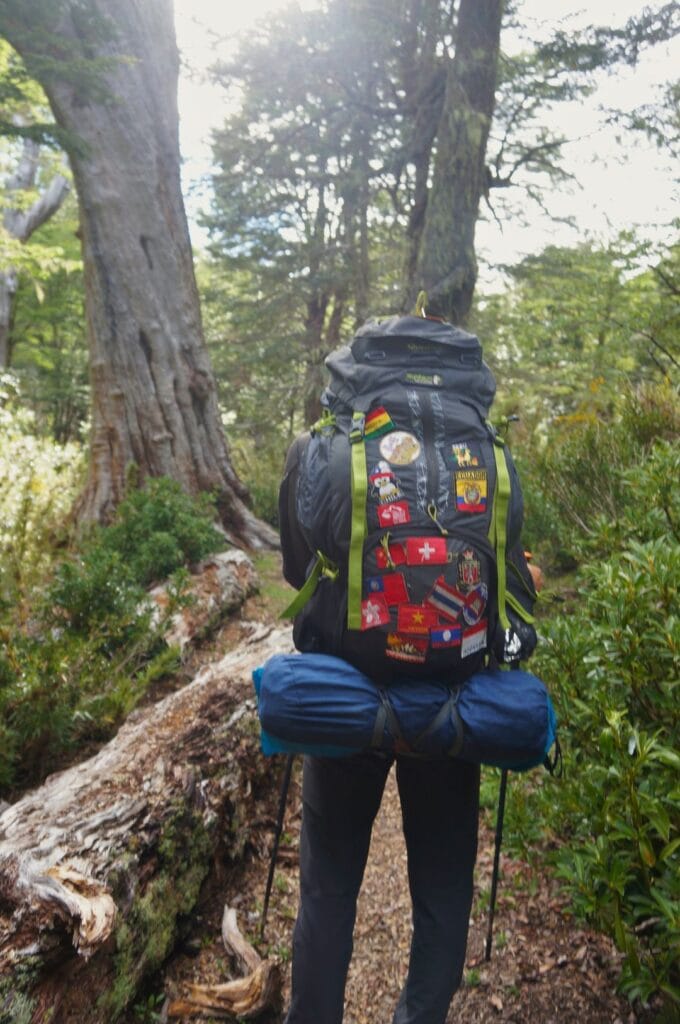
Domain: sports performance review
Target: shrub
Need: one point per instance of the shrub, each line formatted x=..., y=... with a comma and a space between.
x=95, y=642
x=584, y=490
x=38, y=482
x=612, y=660
x=159, y=528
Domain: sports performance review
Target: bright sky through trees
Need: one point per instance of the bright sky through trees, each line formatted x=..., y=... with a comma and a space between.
x=621, y=179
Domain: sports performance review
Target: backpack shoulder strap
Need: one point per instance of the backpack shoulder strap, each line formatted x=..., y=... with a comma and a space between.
x=498, y=534
x=358, y=526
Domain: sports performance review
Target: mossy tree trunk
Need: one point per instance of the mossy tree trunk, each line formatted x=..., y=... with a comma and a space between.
x=154, y=401
x=447, y=267
x=99, y=866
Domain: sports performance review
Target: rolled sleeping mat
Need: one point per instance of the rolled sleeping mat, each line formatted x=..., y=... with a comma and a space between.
x=320, y=704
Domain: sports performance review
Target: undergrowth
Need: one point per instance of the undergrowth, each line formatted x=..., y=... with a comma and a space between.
x=611, y=658
x=94, y=641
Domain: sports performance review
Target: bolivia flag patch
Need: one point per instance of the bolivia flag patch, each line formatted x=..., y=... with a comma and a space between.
x=377, y=423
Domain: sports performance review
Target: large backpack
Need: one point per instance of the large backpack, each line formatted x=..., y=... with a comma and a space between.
x=411, y=501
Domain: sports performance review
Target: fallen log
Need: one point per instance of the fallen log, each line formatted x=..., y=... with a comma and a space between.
x=247, y=997
x=217, y=586
x=99, y=866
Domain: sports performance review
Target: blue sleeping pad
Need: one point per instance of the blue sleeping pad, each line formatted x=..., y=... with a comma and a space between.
x=319, y=704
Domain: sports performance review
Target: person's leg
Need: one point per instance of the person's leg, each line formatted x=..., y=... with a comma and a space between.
x=440, y=805
x=341, y=797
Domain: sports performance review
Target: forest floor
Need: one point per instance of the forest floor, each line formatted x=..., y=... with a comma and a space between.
x=545, y=966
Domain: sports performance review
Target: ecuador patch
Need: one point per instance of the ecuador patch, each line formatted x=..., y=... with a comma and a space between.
x=471, y=490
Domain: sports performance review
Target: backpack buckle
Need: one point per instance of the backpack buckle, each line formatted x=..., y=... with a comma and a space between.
x=356, y=431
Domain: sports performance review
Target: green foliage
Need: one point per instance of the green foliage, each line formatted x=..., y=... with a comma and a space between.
x=613, y=665
x=48, y=343
x=601, y=481
x=94, y=642
x=159, y=528
x=38, y=482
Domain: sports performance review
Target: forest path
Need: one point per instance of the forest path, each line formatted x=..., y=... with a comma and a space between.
x=544, y=968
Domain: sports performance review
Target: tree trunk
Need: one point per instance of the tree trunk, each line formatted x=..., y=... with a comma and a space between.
x=154, y=401
x=447, y=267
x=100, y=865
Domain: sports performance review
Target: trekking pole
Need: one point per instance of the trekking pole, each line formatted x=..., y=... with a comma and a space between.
x=496, y=862
x=277, y=838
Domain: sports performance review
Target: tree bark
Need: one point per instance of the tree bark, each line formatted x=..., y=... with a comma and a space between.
x=99, y=865
x=447, y=267
x=154, y=401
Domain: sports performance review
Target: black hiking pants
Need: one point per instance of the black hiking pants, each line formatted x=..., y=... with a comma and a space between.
x=341, y=797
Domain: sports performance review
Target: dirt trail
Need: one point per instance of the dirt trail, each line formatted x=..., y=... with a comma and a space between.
x=545, y=968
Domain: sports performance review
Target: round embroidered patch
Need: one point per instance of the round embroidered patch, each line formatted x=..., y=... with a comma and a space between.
x=400, y=448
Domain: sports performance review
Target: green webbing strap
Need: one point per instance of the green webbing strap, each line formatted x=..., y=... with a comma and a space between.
x=517, y=607
x=498, y=528
x=322, y=567
x=358, y=532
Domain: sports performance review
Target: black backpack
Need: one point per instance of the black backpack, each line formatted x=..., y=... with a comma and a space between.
x=411, y=501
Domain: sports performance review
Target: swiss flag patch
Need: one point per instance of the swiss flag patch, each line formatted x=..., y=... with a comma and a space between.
x=426, y=551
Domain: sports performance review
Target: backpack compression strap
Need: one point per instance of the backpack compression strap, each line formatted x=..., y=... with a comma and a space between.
x=322, y=567
x=498, y=537
x=358, y=531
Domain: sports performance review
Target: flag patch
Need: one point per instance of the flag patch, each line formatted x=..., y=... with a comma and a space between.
x=377, y=423
x=416, y=619
x=394, y=514
x=471, y=490
x=374, y=612
x=426, y=551
x=449, y=636
x=446, y=599
x=392, y=587
x=475, y=604
x=404, y=648
x=395, y=555
x=474, y=639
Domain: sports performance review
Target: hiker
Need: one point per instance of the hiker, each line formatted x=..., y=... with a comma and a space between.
x=410, y=597
x=341, y=797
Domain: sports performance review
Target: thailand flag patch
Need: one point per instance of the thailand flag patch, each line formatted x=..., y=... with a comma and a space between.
x=447, y=600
